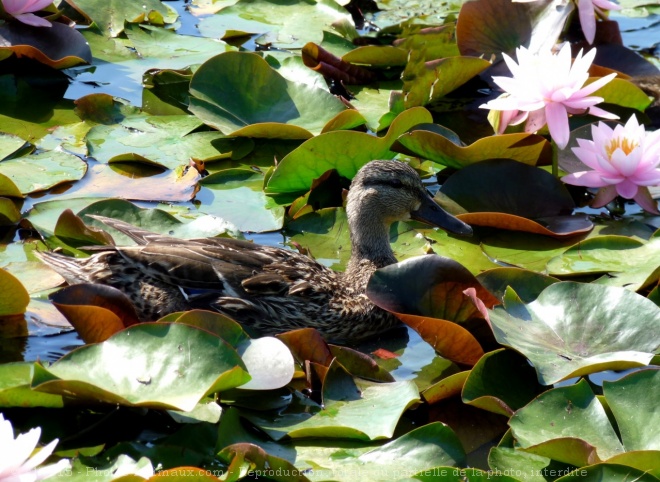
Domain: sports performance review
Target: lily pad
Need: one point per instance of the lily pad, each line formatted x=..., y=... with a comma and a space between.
x=14, y=298
x=501, y=382
x=42, y=171
x=9, y=144
x=631, y=401
x=511, y=195
x=574, y=329
x=8, y=212
x=527, y=284
x=425, y=82
x=59, y=46
x=629, y=262
x=238, y=198
x=351, y=409
x=158, y=365
x=428, y=293
x=112, y=24
x=235, y=90
x=529, y=149
x=580, y=432
x=291, y=24
x=297, y=170
x=167, y=141
x=15, y=388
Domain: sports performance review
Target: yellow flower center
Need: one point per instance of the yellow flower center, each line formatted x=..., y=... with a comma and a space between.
x=623, y=143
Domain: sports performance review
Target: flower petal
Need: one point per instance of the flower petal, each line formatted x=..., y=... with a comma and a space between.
x=587, y=19
x=644, y=199
x=32, y=19
x=585, y=178
x=598, y=112
x=557, y=119
x=604, y=196
x=594, y=86
x=627, y=189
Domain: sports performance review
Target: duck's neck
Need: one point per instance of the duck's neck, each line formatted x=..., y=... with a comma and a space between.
x=370, y=243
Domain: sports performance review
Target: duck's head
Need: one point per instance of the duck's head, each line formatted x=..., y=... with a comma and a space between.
x=390, y=191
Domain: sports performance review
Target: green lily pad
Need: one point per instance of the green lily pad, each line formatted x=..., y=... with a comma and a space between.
x=624, y=93
x=42, y=171
x=574, y=329
x=631, y=401
x=234, y=90
x=527, y=284
x=419, y=451
x=580, y=432
x=291, y=24
x=166, y=141
x=15, y=388
x=238, y=198
x=529, y=149
x=501, y=382
x=351, y=409
x=425, y=82
x=13, y=298
x=9, y=144
x=158, y=365
x=629, y=262
x=9, y=214
x=467, y=251
x=59, y=46
x=610, y=472
x=298, y=169
x=113, y=24
x=247, y=458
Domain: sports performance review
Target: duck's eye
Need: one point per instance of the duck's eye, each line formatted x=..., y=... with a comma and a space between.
x=395, y=183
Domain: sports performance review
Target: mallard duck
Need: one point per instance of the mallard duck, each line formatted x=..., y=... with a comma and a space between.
x=269, y=289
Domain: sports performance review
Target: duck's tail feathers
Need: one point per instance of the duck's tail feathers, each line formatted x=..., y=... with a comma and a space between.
x=76, y=270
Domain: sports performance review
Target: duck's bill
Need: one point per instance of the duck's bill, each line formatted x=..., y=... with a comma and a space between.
x=429, y=212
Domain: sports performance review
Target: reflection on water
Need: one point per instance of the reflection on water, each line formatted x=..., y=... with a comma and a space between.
x=39, y=347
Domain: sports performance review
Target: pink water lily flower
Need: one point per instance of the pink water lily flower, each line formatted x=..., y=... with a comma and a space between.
x=545, y=89
x=16, y=462
x=22, y=10
x=624, y=161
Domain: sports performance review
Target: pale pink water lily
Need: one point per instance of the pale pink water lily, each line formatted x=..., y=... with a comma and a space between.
x=16, y=462
x=624, y=161
x=587, y=11
x=545, y=89
x=22, y=10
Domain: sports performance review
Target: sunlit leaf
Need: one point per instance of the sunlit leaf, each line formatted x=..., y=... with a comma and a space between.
x=41, y=171
x=527, y=284
x=166, y=141
x=368, y=411
x=292, y=24
x=15, y=388
x=13, y=296
x=157, y=365
x=237, y=89
x=574, y=329
x=526, y=148
x=317, y=155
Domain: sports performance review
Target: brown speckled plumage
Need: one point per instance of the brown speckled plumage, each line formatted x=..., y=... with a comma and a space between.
x=266, y=288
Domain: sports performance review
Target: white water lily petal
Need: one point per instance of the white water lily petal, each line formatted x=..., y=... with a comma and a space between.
x=548, y=87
